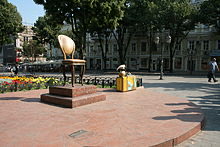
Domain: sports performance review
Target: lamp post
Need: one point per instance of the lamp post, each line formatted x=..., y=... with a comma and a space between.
x=168, y=41
x=218, y=17
x=190, y=53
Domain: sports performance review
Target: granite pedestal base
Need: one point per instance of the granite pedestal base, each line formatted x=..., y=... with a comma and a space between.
x=68, y=96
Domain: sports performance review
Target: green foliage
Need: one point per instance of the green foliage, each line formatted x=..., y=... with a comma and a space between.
x=10, y=22
x=126, y=29
x=33, y=49
x=210, y=13
x=107, y=15
x=46, y=30
x=83, y=15
x=178, y=17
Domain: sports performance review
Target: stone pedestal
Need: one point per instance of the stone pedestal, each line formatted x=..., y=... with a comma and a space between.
x=71, y=97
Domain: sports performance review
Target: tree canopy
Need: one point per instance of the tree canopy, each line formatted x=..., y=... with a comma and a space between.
x=81, y=15
x=124, y=18
x=210, y=13
x=33, y=49
x=46, y=31
x=178, y=18
x=10, y=22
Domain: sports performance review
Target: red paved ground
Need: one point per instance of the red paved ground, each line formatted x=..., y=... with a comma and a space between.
x=137, y=118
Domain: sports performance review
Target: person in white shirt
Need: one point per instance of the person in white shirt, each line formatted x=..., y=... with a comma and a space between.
x=212, y=69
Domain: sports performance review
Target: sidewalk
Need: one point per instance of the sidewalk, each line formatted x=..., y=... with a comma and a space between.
x=137, y=118
x=115, y=73
x=202, y=93
x=197, y=90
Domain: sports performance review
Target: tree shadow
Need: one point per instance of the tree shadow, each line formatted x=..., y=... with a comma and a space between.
x=177, y=86
x=107, y=90
x=207, y=97
x=31, y=100
x=24, y=99
x=11, y=98
x=191, y=113
x=182, y=117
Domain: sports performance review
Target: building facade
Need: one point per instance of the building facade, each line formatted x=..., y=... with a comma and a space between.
x=193, y=53
x=25, y=36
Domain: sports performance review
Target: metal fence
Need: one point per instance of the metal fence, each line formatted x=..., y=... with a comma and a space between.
x=102, y=81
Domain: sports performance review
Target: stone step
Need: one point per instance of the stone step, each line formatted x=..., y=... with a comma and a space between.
x=70, y=102
x=70, y=91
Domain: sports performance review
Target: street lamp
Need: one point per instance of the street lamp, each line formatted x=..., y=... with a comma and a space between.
x=192, y=52
x=156, y=41
x=218, y=17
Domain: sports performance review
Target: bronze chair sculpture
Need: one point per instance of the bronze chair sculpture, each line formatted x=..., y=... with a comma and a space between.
x=67, y=46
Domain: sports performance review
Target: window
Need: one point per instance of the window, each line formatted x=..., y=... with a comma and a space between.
x=115, y=63
x=204, y=64
x=206, y=45
x=218, y=45
x=25, y=39
x=178, y=63
x=115, y=48
x=133, y=47
x=191, y=45
x=178, y=47
x=143, y=46
x=144, y=62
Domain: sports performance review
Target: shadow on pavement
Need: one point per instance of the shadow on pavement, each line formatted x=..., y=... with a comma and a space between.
x=24, y=99
x=207, y=97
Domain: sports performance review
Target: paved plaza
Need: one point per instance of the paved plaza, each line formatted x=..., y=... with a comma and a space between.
x=194, y=88
x=197, y=90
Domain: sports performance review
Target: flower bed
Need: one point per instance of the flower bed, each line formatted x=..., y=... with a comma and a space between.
x=9, y=84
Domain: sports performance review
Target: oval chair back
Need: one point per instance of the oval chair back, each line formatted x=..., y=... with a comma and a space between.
x=67, y=45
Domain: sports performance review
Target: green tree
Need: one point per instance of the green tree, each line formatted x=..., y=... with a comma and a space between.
x=80, y=14
x=10, y=22
x=141, y=18
x=178, y=18
x=210, y=13
x=46, y=31
x=125, y=30
x=148, y=22
x=33, y=49
x=104, y=23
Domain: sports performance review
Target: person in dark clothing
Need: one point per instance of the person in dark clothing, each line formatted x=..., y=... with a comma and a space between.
x=15, y=70
x=212, y=69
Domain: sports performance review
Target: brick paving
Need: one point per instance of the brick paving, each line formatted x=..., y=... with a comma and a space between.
x=137, y=118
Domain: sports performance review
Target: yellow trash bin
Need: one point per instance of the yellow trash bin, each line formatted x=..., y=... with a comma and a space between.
x=126, y=83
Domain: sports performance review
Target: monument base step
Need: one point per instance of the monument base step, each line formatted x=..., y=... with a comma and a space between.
x=70, y=102
x=70, y=91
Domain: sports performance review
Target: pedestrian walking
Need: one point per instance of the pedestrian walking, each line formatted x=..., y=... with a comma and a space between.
x=212, y=69
x=16, y=70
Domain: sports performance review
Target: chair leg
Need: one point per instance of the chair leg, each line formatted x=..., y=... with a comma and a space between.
x=82, y=73
x=64, y=74
x=73, y=75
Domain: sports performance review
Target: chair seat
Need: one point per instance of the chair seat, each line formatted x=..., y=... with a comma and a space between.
x=74, y=61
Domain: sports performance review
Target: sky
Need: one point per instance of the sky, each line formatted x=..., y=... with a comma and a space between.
x=28, y=10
